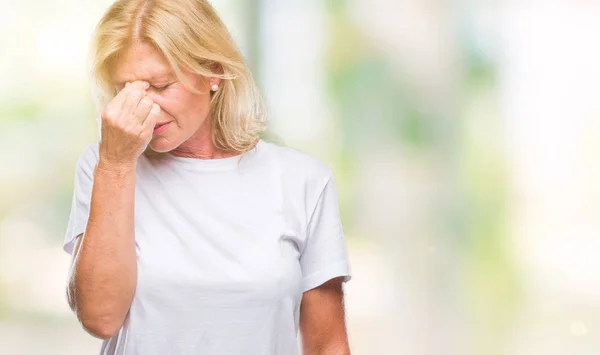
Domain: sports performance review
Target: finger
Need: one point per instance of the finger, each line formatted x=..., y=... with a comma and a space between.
x=150, y=122
x=121, y=95
x=131, y=101
x=116, y=103
x=143, y=109
x=140, y=84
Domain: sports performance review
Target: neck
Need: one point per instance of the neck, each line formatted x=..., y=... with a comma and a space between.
x=200, y=145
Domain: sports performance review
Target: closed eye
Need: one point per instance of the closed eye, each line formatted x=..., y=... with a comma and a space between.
x=161, y=88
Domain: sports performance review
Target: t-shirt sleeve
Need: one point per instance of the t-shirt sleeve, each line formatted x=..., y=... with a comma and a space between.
x=325, y=255
x=82, y=193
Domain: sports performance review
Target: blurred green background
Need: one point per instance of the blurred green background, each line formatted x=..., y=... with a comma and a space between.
x=463, y=136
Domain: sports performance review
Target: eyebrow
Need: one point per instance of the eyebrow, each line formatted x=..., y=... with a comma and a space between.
x=159, y=78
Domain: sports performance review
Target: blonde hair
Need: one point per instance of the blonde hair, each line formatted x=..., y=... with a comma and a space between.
x=191, y=37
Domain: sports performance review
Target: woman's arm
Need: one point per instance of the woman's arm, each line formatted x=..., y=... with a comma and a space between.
x=104, y=273
x=322, y=320
x=104, y=270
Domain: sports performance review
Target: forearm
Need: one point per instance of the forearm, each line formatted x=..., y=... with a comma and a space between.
x=104, y=273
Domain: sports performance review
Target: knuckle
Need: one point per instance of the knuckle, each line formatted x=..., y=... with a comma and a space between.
x=147, y=101
x=108, y=113
x=137, y=93
x=133, y=118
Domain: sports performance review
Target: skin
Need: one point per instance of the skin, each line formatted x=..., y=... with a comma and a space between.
x=103, y=274
x=189, y=132
x=322, y=320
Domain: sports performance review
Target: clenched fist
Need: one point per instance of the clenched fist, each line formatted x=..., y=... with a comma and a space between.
x=128, y=121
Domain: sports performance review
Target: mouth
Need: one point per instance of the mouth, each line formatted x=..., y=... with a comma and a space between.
x=161, y=124
x=159, y=127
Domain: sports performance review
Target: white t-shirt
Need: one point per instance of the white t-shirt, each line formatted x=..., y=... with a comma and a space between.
x=225, y=248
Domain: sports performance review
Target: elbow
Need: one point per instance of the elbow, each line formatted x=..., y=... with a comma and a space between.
x=335, y=348
x=101, y=327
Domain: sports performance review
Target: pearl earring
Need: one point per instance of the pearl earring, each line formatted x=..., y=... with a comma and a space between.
x=215, y=87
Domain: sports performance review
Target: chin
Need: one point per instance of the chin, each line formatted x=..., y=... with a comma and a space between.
x=161, y=145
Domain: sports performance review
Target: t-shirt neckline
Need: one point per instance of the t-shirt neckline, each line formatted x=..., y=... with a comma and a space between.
x=217, y=163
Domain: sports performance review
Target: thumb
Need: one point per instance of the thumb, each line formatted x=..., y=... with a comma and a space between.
x=150, y=121
x=155, y=110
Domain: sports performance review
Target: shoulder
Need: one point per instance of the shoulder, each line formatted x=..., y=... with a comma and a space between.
x=294, y=160
x=300, y=166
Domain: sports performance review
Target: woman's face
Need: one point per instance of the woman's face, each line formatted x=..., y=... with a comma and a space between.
x=186, y=113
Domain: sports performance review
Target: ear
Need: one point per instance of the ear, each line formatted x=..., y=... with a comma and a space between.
x=216, y=68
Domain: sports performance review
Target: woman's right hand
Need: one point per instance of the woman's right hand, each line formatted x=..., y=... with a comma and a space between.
x=128, y=121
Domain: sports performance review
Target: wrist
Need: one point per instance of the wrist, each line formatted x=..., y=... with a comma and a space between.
x=116, y=167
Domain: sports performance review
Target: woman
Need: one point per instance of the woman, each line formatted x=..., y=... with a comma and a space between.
x=190, y=234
